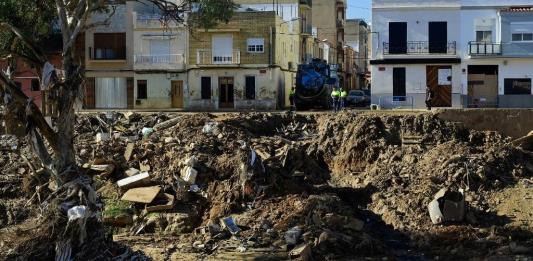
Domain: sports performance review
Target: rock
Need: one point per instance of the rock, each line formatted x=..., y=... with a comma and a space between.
x=129, y=151
x=303, y=252
x=293, y=235
x=101, y=137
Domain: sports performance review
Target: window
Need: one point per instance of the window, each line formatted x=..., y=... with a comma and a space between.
x=483, y=36
x=206, y=88
x=109, y=46
x=517, y=86
x=523, y=37
x=256, y=45
x=250, y=88
x=142, y=92
x=35, y=85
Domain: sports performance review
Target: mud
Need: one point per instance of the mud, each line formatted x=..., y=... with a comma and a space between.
x=356, y=185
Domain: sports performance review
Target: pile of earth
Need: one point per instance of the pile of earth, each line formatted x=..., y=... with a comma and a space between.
x=325, y=186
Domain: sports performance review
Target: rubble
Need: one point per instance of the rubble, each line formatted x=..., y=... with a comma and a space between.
x=314, y=187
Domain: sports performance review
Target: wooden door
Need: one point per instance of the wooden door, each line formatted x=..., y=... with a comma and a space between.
x=439, y=80
x=177, y=94
x=225, y=92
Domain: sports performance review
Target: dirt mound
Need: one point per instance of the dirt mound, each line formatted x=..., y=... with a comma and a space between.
x=331, y=186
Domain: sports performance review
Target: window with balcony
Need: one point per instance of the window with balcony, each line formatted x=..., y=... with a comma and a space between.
x=517, y=86
x=109, y=46
x=256, y=45
x=484, y=36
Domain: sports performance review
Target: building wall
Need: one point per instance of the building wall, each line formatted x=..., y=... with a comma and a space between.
x=158, y=89
x=268, y=82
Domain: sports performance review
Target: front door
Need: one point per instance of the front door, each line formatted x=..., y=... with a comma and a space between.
x=398, y=84
x=225, y=92
x=439, y=80
x=177, y=94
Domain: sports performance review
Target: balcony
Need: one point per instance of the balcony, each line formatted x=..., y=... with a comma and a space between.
x=421, y=48
x=158, y=62
x=484, y=49
x=152, y=21
x=207, y=57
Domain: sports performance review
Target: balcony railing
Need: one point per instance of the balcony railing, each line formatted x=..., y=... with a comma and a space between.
x=153, y=21
x=207, y=57
x=484, y=49
x=422, y=48
x=159, y=59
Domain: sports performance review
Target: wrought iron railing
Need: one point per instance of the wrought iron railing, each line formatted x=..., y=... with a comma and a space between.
x=421, y=47
x=484, y=48
x=207, y=57
x=159, y=59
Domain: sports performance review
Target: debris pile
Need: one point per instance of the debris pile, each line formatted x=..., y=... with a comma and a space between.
x=316, y=187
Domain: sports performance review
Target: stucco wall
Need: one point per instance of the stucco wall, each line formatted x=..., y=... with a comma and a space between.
x=158, y=89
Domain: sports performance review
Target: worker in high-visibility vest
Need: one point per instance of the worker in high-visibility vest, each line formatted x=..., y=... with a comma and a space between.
x=343, y=94
x=292, y=98
x=335, y=96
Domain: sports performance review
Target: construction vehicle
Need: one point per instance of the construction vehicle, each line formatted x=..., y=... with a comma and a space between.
x=314, y=83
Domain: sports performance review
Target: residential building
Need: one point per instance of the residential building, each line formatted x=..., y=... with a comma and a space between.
x=160, y=52
x=109, y=60
x=357, y=33
x=329, y=19
x=469, y=53
x=350, y=68
x=248, y=63
x=26, y=77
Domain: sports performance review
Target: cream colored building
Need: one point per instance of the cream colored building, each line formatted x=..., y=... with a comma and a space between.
x=248, y=63
x=329, y=19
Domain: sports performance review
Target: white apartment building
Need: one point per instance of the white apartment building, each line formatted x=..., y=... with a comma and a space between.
x=470, y=53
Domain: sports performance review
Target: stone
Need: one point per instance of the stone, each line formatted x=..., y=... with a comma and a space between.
x=303, y=252
x=101, y=137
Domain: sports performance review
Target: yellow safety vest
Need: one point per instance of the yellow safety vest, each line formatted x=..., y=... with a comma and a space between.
x=344, y=94
x=335, y=94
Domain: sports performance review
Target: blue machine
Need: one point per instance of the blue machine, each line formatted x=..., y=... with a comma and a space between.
x=314, y=83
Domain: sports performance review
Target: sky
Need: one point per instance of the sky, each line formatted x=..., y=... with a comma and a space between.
x=359, y=9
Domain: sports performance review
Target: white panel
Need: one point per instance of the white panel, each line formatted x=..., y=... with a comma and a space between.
x=524, y=27
x=159, y=47
x=111, y=93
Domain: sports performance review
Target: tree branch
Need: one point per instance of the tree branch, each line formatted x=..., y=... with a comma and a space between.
x=35, y=114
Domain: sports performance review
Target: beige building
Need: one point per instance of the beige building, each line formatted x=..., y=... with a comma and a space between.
x=248, y=63
x=357, y=36
x=109, y=62
x=329, y=18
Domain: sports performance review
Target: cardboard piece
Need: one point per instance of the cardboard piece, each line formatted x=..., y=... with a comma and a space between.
x=142, y=195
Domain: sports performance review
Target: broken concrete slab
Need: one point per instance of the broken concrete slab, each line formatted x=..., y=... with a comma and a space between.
x=167, y=124
x=134, y=181
x=303, y=252
x=131, y=172
x=165, y=203
x=101, y=137
x=142, y=195
x=144, y=167
x=189, y=174
x=129, y=151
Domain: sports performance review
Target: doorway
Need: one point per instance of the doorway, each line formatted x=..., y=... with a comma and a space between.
x=482, y=86
x=398, y=84
x=397, y=38
x=225, y=92
x=177, y=94
x=439, y=80
x=438, y=37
